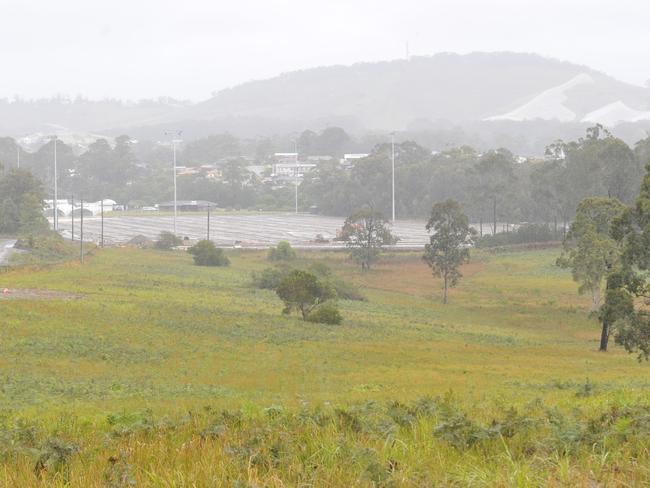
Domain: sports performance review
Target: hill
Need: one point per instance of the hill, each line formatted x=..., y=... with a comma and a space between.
x=491, y=94
x=458, y=88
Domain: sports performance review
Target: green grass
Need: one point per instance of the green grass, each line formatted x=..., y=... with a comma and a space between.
x=135, y=377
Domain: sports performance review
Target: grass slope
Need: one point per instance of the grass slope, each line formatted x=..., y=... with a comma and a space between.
x=167, y=374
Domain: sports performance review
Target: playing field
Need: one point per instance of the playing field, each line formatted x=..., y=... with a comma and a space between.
x=145, y=370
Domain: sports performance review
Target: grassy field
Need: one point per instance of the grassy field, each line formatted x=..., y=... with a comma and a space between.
x=148, y=371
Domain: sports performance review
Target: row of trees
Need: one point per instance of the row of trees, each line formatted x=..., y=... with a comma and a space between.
x=492, y=186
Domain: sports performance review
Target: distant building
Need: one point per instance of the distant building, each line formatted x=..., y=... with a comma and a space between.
x=292, y=170
x=349, y=159
x=187, y=206
x=319, y=159
x=65, y=209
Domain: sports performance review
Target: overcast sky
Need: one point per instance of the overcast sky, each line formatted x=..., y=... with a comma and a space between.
x=189, y=48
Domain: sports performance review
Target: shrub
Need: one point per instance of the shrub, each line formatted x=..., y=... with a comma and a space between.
x=303, y=291
x=46, y=246
x=347, y=291
x=326, y=313
x=282, y=252
x=270, y=278
x=206, y=254
x=167, y=240
x=344, y=290
x=525, y=234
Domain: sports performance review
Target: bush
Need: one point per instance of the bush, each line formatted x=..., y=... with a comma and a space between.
x=344, y=290
x=270, y=278
x=303, y=291
x=347, y=291
x=525, y=234
x=167, y=240
x=206, y=254
x=46, y=246
x=282, y=252
x=326, y=313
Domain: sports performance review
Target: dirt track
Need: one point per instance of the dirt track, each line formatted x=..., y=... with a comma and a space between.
x=35, y=294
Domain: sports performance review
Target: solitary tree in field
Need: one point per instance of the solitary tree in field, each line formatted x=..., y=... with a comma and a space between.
x=303, y=291
x=365, y=233
x=448, y=246
x=589, y=250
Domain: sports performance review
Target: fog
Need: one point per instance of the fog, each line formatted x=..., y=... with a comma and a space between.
x=145, y=49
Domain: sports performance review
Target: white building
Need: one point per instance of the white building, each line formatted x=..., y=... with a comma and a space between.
x=293, y=170
x=350, y=159
x=65, y=208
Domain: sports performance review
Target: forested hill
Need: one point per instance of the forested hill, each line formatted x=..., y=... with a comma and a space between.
x=458, y=88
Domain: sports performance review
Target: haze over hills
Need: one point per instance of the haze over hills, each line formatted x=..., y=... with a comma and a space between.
x=480, y=91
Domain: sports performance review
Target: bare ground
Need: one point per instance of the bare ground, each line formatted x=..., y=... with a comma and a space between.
x=35, y=294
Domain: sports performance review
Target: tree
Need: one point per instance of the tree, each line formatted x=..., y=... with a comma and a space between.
x=205, y=253
x=589, y=250
x=496, y=178
x=448, y=246
x=632, y=231
x=21, y=204
x=365, y=233
x=303, y=291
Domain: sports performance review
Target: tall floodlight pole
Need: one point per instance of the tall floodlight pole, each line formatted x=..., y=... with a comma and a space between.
x=72, y=215
x=102, y=234
x=56, y=190
x=81, y=234
x=208, y=221
x=295, y=146
x=392, y=143
x=175, y=139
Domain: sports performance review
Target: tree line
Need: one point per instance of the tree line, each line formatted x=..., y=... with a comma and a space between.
x=492, y=186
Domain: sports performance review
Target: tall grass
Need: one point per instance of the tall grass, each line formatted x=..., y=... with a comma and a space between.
x=168, y=374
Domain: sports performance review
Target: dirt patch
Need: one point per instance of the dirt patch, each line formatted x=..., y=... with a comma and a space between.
x=35, y=294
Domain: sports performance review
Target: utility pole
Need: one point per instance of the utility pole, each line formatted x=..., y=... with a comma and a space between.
x=208, y=221
x=175, y=139
x=17, y=156
x=72, y=215
x=102, y=240
x=56, y=190
x=392, y=143
x=81, y=234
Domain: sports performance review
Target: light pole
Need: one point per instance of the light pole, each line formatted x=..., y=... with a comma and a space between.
x=56, y=189
x=295, y=146
x=392, y=143
x=174, y=141
x=17, y=156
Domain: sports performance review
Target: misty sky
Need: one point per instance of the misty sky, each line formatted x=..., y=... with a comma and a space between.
x=188, y=49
